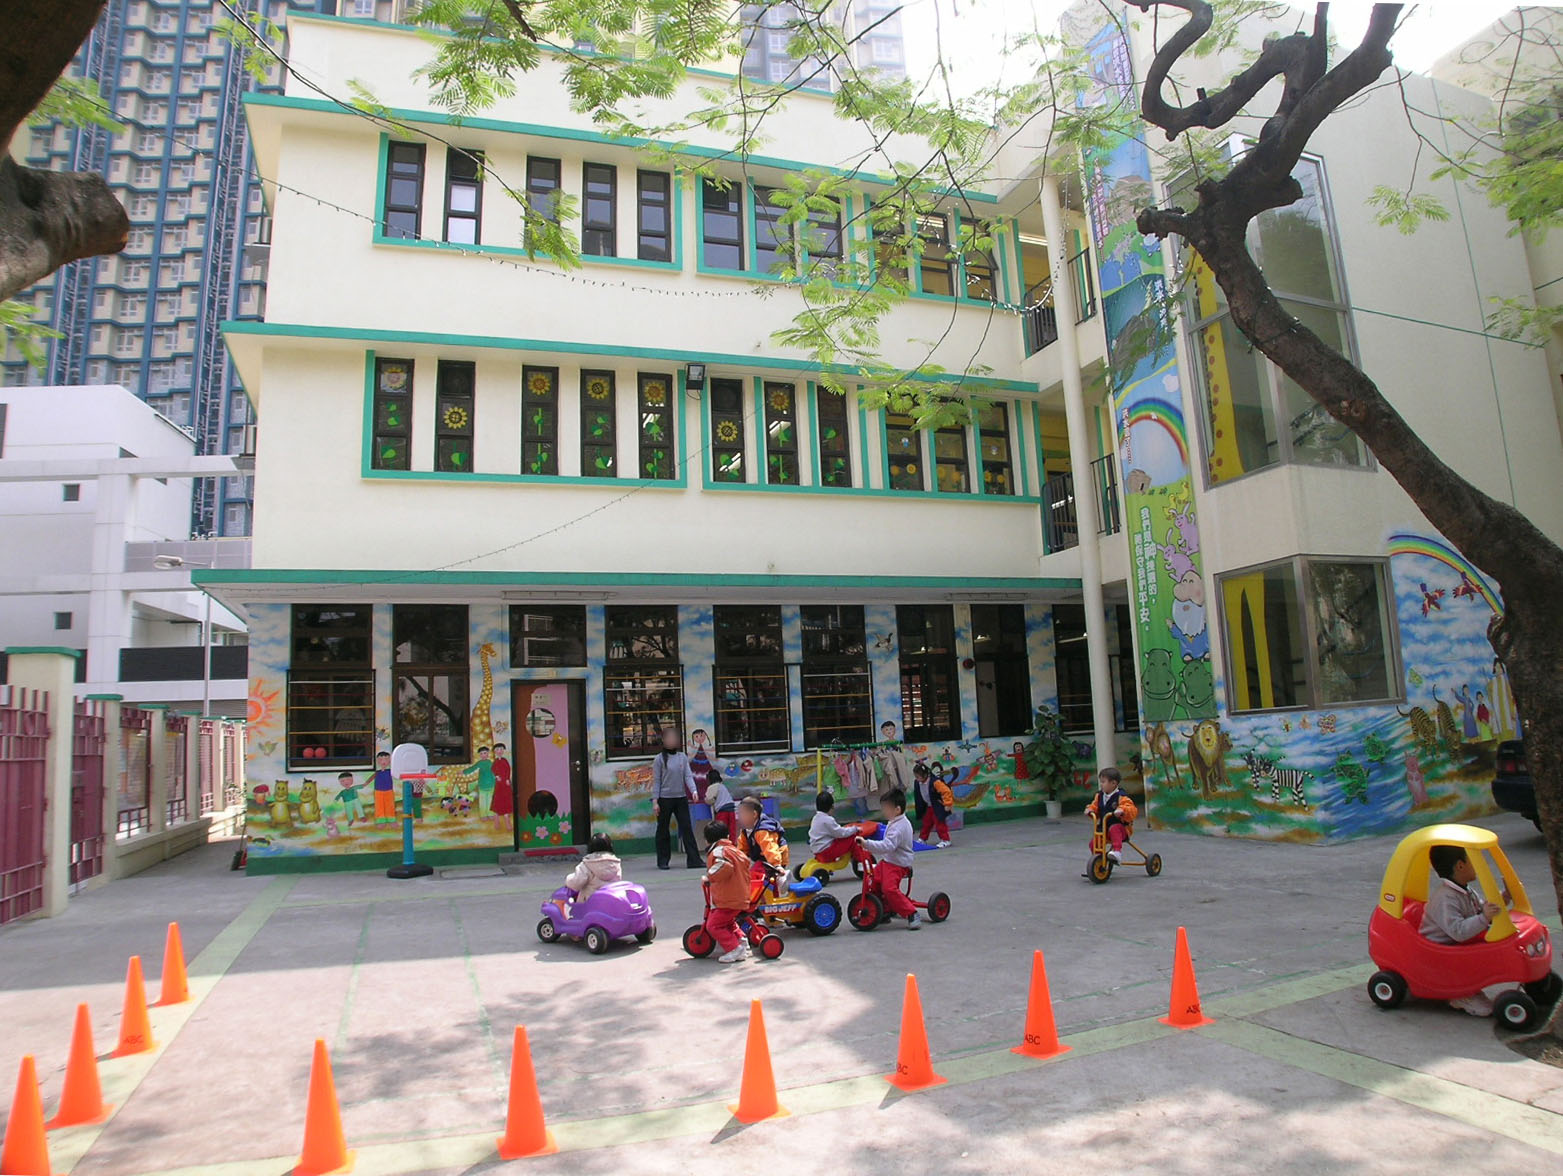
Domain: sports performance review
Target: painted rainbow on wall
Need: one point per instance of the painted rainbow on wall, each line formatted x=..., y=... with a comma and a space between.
x=1405, y=544
x=1165, y=415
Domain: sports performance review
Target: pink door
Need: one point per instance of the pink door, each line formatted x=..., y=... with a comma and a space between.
x=549, y=759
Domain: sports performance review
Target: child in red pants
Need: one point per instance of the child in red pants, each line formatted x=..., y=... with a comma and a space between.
x=894, y=851
x=727, y=875
x=939, y=800
x=1112, y=803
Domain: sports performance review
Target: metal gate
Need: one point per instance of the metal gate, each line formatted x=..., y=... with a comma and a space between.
x=135, y=773
x=88, y=738
x=207, y=764
x=24, y=744
x=176, y=728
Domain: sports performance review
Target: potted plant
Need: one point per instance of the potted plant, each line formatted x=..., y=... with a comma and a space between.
x=1050, y=758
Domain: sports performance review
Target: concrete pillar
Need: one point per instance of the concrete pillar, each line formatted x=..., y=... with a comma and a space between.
x=1087, y=508
x=157, y=773
x=109, y=620
x=192, y=763
x=52, y=670
x=113, y=761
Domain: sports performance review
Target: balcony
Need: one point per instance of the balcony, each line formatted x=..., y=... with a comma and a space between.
x=182, y=663
x=1060, y=525
x=1039, y=319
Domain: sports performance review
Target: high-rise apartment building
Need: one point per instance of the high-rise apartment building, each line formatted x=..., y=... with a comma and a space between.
x=872, y=27
x=150, y=317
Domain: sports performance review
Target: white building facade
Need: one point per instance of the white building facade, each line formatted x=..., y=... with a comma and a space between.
x=499, y=504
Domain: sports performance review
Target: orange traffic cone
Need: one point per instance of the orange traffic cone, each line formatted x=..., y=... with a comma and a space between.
x=176, y=985
x=1041, y=1040
x=135, y=1027
x=1183, y=1011
x=325, y=1149
x=26, y=1150
x=81, y=1098
x=757, y=1096
x=914, y=1064
x=525, y=1132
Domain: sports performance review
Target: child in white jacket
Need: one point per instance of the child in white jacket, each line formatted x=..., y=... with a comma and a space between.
x=894, y=849
x=594, y=871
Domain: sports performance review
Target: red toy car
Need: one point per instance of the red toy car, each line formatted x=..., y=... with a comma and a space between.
x=866, y=911
x=1516, y=949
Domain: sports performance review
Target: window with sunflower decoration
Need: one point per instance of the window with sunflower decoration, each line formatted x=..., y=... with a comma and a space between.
x=727, y=430
x=455, y=382
x=781, y=434
x=655, y=406
x=539, y=420
x=830, y=428
x=904, y=448
x=599, y=451
x=392, y=435
x=998, y=474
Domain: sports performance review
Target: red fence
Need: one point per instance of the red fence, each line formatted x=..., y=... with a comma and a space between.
x=207, y=764
x=176, y=729
x=88, y=739
x=24, y=743
x=233, y=774
x=135, y=772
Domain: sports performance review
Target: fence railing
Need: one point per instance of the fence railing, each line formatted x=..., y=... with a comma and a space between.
x=89, y=739
x=1039, y=318
x=135, y=772
x=1060, y=520
x=175, y=734
x=24, y=749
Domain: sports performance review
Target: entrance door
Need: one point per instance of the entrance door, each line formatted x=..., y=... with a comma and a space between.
x=549, y=758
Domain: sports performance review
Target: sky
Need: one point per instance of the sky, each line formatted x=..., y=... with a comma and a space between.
x=971, y=30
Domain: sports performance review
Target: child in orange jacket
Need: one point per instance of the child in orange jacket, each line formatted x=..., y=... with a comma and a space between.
x=727, y=876
x=939, y=799
x=1114, y=805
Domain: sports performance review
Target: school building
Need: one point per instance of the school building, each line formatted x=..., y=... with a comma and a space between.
x=501, y=503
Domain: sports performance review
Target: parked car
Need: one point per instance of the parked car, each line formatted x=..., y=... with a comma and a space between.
x=1511, y=785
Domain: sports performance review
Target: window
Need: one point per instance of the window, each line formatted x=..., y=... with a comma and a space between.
x=148, y=143
x=551, y=635
x=1309, y=632
x=833, y=437
x=1003, y=669
x=429, y=703
x=330, y=686
x=656, y=428
x=885, y=50
x=1125, y=686
x=930, y=692
x=404, y=190
x=599, y=448
x=950, y=468
x=981, y=271
x=753, y=708
x=653, y=216
x=542, y=187
x=904, y=448
x=937, y=264
x=539, y=420
x=63, y=620
x=823, y=240
x=453, y=412
x=392, y=415
x=781, y=434
x=1072, y=667
x=127, y=342
x=721, y=226
x=643, y=682
x=727, y=430
x=998, y=475
x=1255, y=416
x=772, y=241
x=837, y=686
x=463, y=196
x=599, y=211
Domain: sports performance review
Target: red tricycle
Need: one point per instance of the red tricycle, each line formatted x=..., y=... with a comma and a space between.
x=866, y=910
x=768, y=945
x=1515, y=951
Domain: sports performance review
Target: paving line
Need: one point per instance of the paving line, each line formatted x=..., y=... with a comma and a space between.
x=353, y=975
x=121, y=1076
x=1479, y=1108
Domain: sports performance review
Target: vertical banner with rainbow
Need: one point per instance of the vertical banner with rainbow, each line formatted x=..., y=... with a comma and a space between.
x=1167, y=575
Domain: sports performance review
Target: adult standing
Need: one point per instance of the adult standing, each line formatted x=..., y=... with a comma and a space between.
x=673, y=788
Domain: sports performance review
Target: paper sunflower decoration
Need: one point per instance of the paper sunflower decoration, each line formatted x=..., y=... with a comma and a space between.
x=456, y=417
x=597, y=389
x=781, y=400
x=541, y=384
x=726, y=432
x=656, y=394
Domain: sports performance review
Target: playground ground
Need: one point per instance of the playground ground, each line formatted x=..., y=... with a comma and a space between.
x=416, y=987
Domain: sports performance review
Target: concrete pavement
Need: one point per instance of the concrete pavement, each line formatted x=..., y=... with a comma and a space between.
x=416, y=985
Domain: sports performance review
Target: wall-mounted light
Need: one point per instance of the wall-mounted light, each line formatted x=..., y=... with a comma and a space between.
x=695, y=377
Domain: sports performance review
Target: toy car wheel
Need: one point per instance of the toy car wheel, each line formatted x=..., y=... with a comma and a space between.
x=823, y=876
x=822, y=915
x=699, y=942
x=865, y=911
x=1153, y=864
x=597, y=940
x=1515, y=1010
x=1099, y=869
x=546, y=931
x=647, y=935
x=938, y=906
x=1387, y=989
x=757, y=932
x=770, y=946
x=1546, y=990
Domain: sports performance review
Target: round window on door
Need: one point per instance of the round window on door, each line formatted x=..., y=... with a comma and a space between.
x=540, y=723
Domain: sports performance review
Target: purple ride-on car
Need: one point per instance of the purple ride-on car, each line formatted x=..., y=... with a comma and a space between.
x=614, y=911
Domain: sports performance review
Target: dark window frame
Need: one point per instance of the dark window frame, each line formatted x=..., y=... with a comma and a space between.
x=1006, y=651
x=996, y=470
x=388, y=428
x=981, y=263
x=756, y=677
x=938, y=256
x=835, y=453
x=894, y=425
x=418, y=162
x=452, y=666
x=774, y=247
x=824, y=241
x=569, y=639
x=645, y=247
x=729, y=462
x=657, y=428
x=464, y=170
x=540, y=420
x=336, y=681
x=836, y=676
x=942, y=463
x=924, y=670
x=450, y=426
x=638, y=679
x=733, y=195
x=597, y=231
x=783, y=463
x=594, y=446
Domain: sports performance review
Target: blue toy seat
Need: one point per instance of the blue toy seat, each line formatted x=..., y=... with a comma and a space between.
x=810, y=885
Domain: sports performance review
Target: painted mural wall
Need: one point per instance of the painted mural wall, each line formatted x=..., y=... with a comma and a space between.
x=302, y=813
x=1318, y=775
